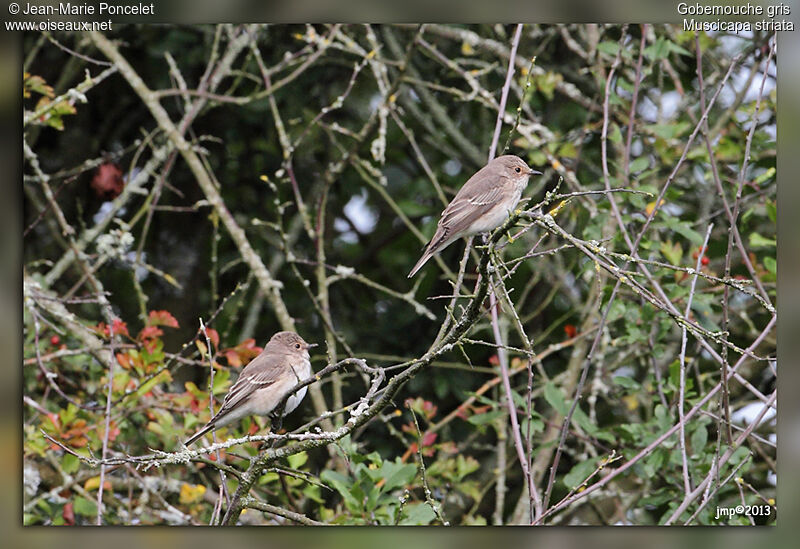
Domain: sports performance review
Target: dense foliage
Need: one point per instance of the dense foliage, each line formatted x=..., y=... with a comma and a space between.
x=191, y=190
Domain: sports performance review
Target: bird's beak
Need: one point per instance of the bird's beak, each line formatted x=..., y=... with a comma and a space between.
x=309, y=345
x=534, y=172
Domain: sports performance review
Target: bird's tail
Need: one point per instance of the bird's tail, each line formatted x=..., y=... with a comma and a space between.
x=441, y=240
x=422, y=260
x=198, y=434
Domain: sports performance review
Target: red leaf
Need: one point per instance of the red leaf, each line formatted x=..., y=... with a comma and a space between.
x=570, y=330
x=150, y=346
x=150, y=332
x=107, y=182
x=493, y=360
x=162, y=318
x=120, y=327
x=429, y=409
x=429, y=438
x=68, y=514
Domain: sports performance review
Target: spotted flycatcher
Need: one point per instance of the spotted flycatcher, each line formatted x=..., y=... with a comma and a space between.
x=282, y=364
x=483, y=203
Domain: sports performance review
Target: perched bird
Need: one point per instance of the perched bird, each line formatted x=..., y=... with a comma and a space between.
x=482, y=204
x=265, y=381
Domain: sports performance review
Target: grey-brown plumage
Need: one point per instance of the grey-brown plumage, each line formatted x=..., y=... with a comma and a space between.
x=481, y=205
x=265, y=381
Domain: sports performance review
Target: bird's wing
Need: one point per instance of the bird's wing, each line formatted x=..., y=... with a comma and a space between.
x=261, y=372
x=469, y=204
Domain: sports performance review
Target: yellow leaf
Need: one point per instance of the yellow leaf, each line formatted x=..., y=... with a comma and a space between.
x=467, y=49
x=201, y=347
x=652, y=206
x=191, y=493
x=93, y=483
x=631, y=403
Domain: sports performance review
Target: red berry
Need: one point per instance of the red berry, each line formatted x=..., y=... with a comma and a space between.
x=704, y=261
x=55, y=340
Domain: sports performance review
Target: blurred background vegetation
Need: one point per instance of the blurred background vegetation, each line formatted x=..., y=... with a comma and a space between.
x=334, y=148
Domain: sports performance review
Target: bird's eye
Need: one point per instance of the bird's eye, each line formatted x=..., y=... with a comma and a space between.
x=296, y=345
x=517, y=169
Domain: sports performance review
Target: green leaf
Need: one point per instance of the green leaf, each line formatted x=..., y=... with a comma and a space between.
x=772, y=211
x=163, y=377
x=85, y=507
x=579, y=473
x=698, y=440
x=657, y=51
x=684, y=229
x=615, y=135
x=654, y=462
x=639, y=164
x=626, y=382
x=343, y=485
x=465, y=466
x=758, y=241
x=660, y=496
x=771, y=265
x=669, y=131
x=765, y=176
x=673, y=47
x=488, y=417
x=396, y=474
x=608, y=47
x=672, y=252
x=568, y=150
x=555, y=398
x=417, y=514
x=70, y=463
x=297, y=460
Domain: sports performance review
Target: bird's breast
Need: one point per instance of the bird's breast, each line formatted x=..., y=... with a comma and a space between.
x=303, y=372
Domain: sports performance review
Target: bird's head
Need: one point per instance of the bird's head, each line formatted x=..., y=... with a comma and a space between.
x=289, y=343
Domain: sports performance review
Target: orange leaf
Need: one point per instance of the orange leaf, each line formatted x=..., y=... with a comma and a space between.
x=162, y=318
x=233, y=358
x=213, y=335
x=124, y=360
